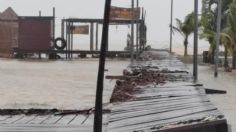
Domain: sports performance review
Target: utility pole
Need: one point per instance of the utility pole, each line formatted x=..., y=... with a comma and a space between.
x=195, y=52
x=137, y=31
x=218, y=27
x=171, y=25
x=97, y=126
x=132, y=33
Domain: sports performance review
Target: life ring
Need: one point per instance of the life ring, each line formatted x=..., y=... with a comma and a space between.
x=63, y=43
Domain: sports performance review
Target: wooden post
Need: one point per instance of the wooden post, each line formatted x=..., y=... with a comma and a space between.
x=54, y=20
x=67, y=41
x=62, y=28
x=97, y=126
x=91, y=36
x=72, y=42
x=97, y=36
x=132, y=33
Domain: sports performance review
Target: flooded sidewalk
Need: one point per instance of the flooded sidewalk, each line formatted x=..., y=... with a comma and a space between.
x=226, y=81
x=53, y=84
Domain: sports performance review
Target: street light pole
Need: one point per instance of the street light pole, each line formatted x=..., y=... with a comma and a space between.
x=171, y=26
x=137, y=31
x=218, y=26
x=132, y=33
x=195, y=52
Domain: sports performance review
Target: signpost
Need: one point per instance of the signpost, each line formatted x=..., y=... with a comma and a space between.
x=124, y=13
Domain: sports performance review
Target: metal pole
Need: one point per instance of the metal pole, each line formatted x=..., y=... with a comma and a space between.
x=132, y=33
x=97, y=127
x=67, y=39
x=97, y=36
x=137, y=33
x=91, y=37
x=171, y=26
x=62, y=28
x=54, y=20
x=72, y=40
x=195, y=52
x=218, y=26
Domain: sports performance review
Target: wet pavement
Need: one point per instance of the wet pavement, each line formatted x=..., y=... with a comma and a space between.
x=226, y=81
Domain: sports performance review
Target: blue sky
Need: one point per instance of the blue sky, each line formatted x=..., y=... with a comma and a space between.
x=158, y=18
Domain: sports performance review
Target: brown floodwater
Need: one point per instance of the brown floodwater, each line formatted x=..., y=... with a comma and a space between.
x=54, y=84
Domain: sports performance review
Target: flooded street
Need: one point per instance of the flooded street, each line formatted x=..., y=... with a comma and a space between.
x=53, y=84
x=226, y=81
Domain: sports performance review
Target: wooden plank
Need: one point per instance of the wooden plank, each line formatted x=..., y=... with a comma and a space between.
x=90, y=119
x=212, y=126
x=141, y=105
x=12, y=119
x=39, y=119
x=78, y=120
x=155, y=100
x=168, y=93
x=137, y=127
x=25, y=119
x=147, y=111
x=158, y=106
x=52, y=120
x=66, y=119
x=47, y=129
x=157, y=117
x=4, y=117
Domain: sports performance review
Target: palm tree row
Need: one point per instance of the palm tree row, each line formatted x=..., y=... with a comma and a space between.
x=207, y=27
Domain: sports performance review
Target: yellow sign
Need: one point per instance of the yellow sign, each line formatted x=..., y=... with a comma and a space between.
x=124, y=13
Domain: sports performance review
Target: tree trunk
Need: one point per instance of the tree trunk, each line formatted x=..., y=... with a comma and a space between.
x=186, y=46
x=213, y=56
x=226, y=63
x=234, y=60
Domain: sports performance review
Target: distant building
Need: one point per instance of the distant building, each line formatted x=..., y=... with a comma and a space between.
x=8, y=32
x=24, y=33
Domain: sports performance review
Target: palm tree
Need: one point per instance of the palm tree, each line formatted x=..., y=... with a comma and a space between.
x=232, y=30
x=226, y=41
x=185, y=28
x=209, y=28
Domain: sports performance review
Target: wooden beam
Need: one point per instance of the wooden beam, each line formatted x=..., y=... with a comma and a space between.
x=91, y=36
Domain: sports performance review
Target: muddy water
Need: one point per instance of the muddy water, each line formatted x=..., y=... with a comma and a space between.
x=53, y=84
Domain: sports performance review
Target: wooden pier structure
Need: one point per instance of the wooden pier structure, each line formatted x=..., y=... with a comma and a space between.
x=178, y=105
